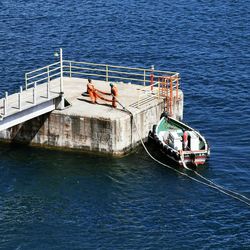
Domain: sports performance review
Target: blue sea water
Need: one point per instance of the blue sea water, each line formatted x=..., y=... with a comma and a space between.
x=60, y=200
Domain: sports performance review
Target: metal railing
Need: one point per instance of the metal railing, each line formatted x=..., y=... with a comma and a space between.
x=103, y=72
x=42, y=75
x=112, y=73
x=17, y=100
x=146, y=77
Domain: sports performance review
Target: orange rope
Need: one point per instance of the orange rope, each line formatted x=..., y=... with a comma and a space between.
x=102, y=98
x=104, y=93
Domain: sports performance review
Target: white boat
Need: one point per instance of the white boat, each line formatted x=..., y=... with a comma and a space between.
x=179, y=142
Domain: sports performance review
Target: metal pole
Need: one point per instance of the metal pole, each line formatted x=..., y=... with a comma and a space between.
x=34, y=94
x=152, y=77
x=48, y=74
x=159, y=88
x=6, y=98
x=26, y=81
x=19, y=98
x=144, y=77
x=177, y=87
x=171, y=96
x=48, y=91
x=19, y=101
x=107, y=73
x=4, y=107
x=70, y=73
x=61, y=68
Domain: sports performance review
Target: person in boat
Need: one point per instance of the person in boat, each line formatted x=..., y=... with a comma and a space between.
x=185, y=140
x=91, y=91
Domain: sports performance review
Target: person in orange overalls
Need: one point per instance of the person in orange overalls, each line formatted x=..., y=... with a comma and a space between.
x=114, y=93
x=91, y=91
x=185, y=140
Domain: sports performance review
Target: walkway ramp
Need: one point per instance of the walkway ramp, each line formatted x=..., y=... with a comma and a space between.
x=28, y=104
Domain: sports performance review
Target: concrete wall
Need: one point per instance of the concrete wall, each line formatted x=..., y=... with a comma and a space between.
x=116, y=137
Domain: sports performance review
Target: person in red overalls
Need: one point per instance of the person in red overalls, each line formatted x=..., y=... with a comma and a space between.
x=114, y=93
x=185, y=140
x=91, y=91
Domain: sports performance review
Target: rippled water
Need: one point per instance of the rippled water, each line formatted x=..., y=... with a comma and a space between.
x=58, y=200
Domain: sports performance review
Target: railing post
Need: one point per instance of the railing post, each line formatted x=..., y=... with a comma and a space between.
x=48, y=73
x=5, y=103
x=159, y=85
x=48, y=90
x=144, y=79
x=26, y=81
x=20, y=98
x=171, y=96
x=6, y=98
x=107, y=73
x=61, y=71
x=177, y=87
x=34, y=94
x=19, y=101
x=152, y=77
x=70, y=73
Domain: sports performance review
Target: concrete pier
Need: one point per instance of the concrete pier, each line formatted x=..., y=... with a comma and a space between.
x=98, y=127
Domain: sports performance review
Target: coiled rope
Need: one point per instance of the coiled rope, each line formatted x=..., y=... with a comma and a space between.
x=206, y=182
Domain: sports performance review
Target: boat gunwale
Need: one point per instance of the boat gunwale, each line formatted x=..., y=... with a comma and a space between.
x=182, y=125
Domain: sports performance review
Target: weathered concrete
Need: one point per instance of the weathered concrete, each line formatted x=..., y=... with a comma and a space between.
x=94, y=127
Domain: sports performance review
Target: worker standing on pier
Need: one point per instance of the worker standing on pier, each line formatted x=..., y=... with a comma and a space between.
x=114, y=93
x=91, y=91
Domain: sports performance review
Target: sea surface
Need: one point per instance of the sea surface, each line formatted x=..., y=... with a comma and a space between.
x=61, y=200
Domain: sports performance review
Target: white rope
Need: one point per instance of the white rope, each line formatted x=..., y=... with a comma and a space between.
x=213, y=185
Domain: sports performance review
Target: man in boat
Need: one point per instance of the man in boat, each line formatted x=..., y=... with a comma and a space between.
x=185, y=140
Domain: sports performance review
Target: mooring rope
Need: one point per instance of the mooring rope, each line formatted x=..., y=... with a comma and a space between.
x=213, y=185
x=225, y=190
x=210, y=183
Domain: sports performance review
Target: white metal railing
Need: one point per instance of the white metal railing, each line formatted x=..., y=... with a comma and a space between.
x=104, y=72
x=20, y=100
x=42, y=75
x=108, y=72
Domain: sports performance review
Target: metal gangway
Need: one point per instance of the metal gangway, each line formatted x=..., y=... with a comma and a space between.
x=42, y=93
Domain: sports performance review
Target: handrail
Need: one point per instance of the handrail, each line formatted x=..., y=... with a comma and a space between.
x=104, y=70
x=45, y=67
x=147, y=77
x=131, y=75
x=52, y=70
x=111, y=77
x=43, y=79
x=122, y=67
x=111, y=73
x=77, y=67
